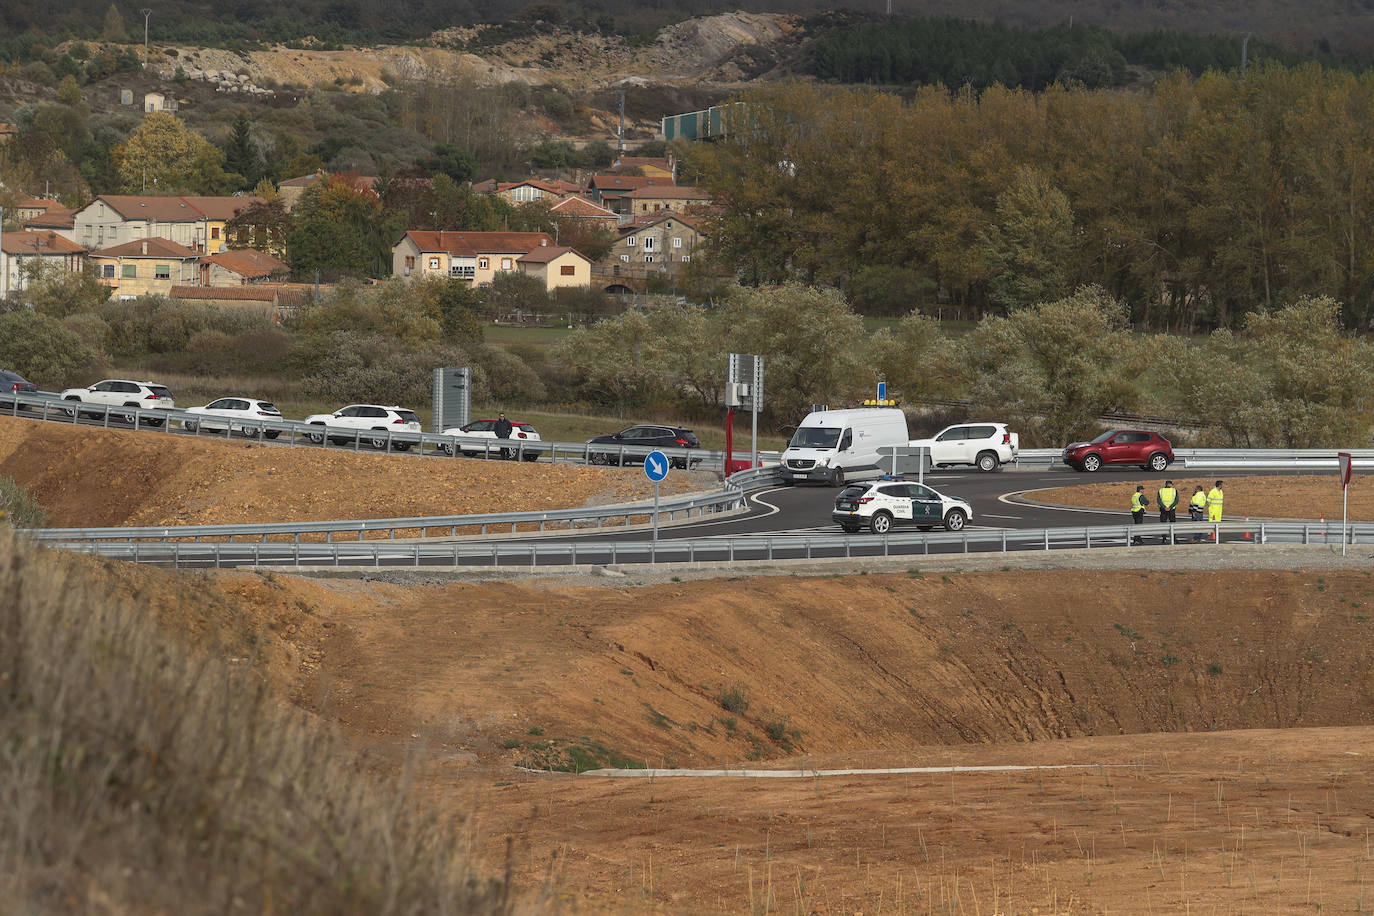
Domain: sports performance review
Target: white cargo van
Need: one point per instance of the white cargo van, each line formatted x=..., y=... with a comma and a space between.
x=830, y=444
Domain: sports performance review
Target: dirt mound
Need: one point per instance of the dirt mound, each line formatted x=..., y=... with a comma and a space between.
x=93, y=477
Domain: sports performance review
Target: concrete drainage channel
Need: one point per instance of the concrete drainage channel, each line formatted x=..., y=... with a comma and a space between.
x=806, y=773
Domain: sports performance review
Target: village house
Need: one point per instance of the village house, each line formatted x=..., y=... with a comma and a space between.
x=584, y=212
x=556, y=266
x=609, y=190
x=649, y=200
x=649, y=166
x=146, y=266
x=19, y=250
x=529, y=190
x=54, y=219
x=241, y=267
x=473, y=257
x=654, y=245
x=194, y=222
x=291, y=189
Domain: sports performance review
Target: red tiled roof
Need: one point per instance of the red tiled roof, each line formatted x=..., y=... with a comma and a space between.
x=156, y=248
x=248, y=293
x=175, y=209
x=653, y=219
x=583, y=209
x=31, y=203
x=673, y=193
x=31, y=243
x=549, y=253
x=225, y=208
x=249, y=262
x=631, y=162
x=53, y=218
x=473, y=243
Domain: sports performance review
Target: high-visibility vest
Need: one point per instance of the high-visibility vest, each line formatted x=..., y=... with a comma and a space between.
x=1137, y=502
x=1168, y=497
x=1214, y=497
x=1199, y=500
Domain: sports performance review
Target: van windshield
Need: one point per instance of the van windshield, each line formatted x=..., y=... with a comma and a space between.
x=815, y=437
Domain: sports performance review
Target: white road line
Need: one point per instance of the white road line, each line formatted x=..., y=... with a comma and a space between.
x=1006, y=499
x=990, y=515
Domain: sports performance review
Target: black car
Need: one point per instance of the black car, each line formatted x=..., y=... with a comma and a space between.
x=631, y=445
x=14, y=383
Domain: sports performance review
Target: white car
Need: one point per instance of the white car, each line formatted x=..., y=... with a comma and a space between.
x=986, y=446
x=879, y=505
x=118, y=392
x=345, y=424
x=242, y=415
x=521, y=435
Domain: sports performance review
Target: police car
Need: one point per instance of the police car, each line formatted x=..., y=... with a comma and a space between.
x=881, y=504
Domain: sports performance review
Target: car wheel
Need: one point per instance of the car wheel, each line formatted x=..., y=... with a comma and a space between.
x=71, y=411
x=881, y=523
x=987, y=461
x=1159, y=461
x=249, y=432
x=377, y=442
x=447, y=448
x=507, y=454
x=156, y=421
x=317, y=438
x=1092, y=463
x=190, y=425
x=850, y=529
x=837, y=478
x=598, y=458
x=401, y=446
x=272, y=433
x=955, y=519
x=531, y=456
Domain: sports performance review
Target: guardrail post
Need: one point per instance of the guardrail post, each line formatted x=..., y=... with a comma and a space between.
x=1047, y=540
x=1088, y=540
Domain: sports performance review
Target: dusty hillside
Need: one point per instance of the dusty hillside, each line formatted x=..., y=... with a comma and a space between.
x=91, y=477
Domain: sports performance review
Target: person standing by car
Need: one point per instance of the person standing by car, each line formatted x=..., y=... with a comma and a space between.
x=1214, y=496
x=1138, y=503
x=503, y=428
x=1197, y=509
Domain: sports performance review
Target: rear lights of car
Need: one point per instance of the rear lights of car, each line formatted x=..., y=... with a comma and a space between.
x=400, y=420
x=683, y=442
x=521, y=436
x=152, y=397
x=1006, y=438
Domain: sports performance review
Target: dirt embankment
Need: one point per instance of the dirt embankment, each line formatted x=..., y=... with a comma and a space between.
x=87, y=477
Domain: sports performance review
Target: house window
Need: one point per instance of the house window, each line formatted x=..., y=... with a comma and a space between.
x=410, y=260
x=677, y=242
x=214, y=232
x=505, y=263
x=483, y=263
x=129, y=272
x=625, y=258
x=107, y=271
x=162, y=272
x=648, y=243
x=630, y=241
x=648, y=259
x=433, y=263
x=461, y=272
x=568, y=270
x=686, y=258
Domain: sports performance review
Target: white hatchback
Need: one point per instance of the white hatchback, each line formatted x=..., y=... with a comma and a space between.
x=347, y=424
x=242, y=415
x=880, y=505
x=118, y=392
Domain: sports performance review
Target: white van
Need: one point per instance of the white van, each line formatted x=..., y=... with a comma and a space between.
x=830, y=444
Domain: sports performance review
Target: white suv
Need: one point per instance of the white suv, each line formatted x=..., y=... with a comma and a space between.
x=118, y=392
x=343, y=425
x=241, y=415
x=987, y=446
x=521, y=434
x=882, y=504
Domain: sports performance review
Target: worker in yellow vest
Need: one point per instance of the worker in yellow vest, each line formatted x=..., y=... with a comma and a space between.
x=1214, y=503
x=1197, y=509
x=1138, y=503
x=1167, y=499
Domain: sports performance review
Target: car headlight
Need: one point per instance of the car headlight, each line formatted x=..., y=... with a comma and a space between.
x=823, y=463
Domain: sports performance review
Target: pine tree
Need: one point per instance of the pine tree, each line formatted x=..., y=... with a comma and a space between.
x=113, y=29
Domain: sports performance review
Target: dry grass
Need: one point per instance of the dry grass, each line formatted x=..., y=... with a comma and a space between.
x=136, y=776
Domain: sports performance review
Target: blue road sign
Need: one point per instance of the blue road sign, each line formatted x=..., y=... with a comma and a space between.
x=655, y=465
x=882, y=391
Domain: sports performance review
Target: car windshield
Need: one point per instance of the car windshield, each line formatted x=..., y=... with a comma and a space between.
x=1104, y=437
x=815, y=437
x=524, y=427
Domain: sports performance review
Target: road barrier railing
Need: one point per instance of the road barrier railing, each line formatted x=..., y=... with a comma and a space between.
x=1290, y=459
x=299, y=433
x=710, y=551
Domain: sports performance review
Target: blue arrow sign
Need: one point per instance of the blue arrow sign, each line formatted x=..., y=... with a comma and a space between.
x=656, y=465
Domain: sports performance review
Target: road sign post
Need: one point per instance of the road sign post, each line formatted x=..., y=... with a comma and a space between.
x=1345, y=461
x=744, y=388
x=656, y=468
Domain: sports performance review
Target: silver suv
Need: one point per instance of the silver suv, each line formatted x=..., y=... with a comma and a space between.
x=118, y=392
x=346, y=423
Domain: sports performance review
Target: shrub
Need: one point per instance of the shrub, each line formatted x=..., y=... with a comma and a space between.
x=17, y=509
x=90, y=327
x=506, y=378
x=734, y=699
x=46, y=352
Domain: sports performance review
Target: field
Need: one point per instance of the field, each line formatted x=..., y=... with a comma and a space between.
x=1212, y=707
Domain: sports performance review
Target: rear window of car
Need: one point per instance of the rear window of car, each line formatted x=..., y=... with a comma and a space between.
x=160, y=390
x=408, y=416
x=524, y=427
x=690, y=437
x=981, y=432
x=854, y=491
x=267, y=408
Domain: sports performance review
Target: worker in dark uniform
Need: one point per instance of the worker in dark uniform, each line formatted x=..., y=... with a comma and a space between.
x=1197, y=510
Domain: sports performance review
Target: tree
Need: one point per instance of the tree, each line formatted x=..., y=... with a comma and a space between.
x=1030, y=245
x=58, y=292
x=912, y=357
x=512, y=292
x=113, y=29
x=68, y=92
x=163, y=156
x=1056, y=367
x=339, y=230
x=265, y=225
x=39, y=348
x=241, y=156
x=456, y=163
x=617, y=360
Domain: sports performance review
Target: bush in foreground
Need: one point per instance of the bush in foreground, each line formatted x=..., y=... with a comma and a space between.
x=16, y=508
x=141, y=778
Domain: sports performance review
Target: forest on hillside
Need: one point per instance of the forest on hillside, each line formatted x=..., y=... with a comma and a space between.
x=1339, y=26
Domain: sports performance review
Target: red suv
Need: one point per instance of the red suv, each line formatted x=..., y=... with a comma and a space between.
x=1148, y=449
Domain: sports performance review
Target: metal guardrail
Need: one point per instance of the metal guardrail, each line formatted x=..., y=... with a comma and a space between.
x=716, y=550
x=298, y=433
x=1256, y=458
